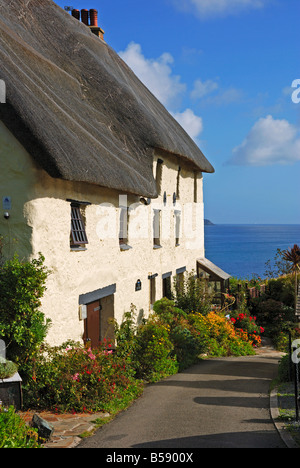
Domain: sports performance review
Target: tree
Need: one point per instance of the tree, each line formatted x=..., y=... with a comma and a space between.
x=23, y=326
x=292, y=256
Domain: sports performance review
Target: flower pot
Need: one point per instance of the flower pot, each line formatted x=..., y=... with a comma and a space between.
x=11, y=391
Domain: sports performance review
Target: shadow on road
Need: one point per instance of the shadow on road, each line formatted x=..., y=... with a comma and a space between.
x=257, y=439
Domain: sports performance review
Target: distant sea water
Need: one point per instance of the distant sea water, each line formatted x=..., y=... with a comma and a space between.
x=242, y=250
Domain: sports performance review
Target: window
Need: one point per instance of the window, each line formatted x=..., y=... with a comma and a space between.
x=78, y=235
x=156, y=228
x=123, y=234
x=158, y=175
x=195, y=187
x=166, y=283
x=178, y=183
x=177, y=215
x=180, y=279
x=152, y=279
x=152, y=290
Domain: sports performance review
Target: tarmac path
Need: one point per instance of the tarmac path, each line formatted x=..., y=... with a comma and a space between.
x=218, y=403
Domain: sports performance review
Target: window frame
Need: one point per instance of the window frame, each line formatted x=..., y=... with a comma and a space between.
x=156, y=228
x=78, y=235
x=124, y=228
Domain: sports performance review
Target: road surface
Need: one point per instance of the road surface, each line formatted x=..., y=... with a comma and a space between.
x=218, y=403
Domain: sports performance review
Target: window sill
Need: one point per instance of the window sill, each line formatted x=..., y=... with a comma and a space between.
x=124, y=247
x=77, y=249
x=157, y=246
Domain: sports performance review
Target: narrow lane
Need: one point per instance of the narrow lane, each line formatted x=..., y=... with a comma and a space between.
x=219, y=403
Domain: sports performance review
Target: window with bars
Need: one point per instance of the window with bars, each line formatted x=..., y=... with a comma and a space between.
x=78, y=234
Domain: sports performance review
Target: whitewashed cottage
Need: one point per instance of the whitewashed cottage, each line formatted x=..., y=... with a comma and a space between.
x=94, y=173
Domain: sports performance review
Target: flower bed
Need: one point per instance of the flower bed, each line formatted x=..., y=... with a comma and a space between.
x=246, y=324
x=71, y=378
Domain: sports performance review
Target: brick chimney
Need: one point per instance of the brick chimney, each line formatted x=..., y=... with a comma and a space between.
x=90, y=19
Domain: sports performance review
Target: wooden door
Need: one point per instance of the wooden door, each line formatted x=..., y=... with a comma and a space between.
x=99, y=322
x=92, y=330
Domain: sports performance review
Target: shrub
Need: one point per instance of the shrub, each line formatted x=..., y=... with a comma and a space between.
x=71, y=378
x=247, y=323
x=152, y=354
x=22, y=326
x=219, y=337
x=192, y=294
x=187, y=346
x=284, y=369
x=14, y=433
x=7, y=369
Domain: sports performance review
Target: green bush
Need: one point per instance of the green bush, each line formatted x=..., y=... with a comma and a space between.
x=218, y=337
x=192, y=295
x=284, y=369
x=152, y=354
x=70, y=378
x=7, y=369
x=186, y=343
x=14, y=433
x=22, y=325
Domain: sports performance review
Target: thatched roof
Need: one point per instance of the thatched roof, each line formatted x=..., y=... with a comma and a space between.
x=77, y=107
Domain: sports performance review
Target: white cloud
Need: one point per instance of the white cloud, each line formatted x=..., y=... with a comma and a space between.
x=190, y=122
x=203, y=88
x=211, y=8
x=156, y=74
x=207, y=92
x=269, y=142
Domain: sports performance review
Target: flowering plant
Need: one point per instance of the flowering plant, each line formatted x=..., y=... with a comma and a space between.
x=74, y=379
x=246, y=323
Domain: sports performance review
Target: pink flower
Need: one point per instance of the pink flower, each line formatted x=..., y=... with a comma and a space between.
x=75, y=376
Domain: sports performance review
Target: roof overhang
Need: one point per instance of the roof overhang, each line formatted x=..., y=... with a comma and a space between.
x=215, y=273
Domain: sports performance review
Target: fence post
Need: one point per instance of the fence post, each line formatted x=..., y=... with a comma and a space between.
x=296, y=382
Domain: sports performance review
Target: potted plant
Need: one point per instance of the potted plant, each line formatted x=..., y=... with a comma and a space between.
x=10, y=384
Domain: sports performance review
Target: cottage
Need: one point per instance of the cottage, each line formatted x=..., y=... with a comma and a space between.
x=95, y=173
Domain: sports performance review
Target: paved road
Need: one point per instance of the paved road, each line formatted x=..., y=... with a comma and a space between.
x=219, y=403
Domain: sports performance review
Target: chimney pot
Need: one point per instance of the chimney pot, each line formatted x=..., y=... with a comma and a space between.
x=85, y=16
x=76, y=14
x=94, y=18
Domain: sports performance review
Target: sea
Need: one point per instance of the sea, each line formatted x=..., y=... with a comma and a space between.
x=242, y=250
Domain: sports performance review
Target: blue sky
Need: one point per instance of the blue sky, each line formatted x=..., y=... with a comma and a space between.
x=224, y=69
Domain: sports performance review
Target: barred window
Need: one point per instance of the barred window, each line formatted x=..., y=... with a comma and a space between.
x=78, y=234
